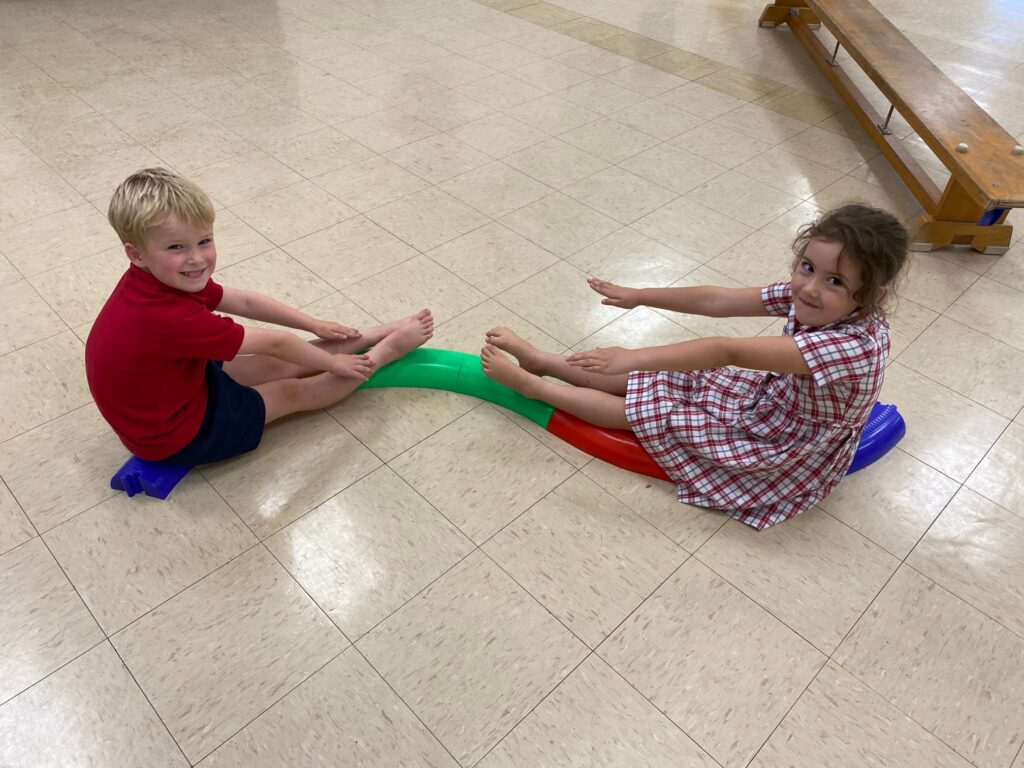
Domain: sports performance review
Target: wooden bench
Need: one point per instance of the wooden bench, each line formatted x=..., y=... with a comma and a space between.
x=985, y=163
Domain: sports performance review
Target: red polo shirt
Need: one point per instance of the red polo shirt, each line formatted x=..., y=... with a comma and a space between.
x=146, y=361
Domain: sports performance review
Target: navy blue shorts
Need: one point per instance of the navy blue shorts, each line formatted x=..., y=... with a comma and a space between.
x=233, y=422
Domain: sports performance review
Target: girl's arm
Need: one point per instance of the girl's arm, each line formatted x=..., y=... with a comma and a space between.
x=759, y=353
x=287, y=346
x=707, y=300
x=257, y=306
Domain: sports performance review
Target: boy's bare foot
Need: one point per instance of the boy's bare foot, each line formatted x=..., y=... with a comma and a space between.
x=504, y=371
x=409, y=333
x=529, y=357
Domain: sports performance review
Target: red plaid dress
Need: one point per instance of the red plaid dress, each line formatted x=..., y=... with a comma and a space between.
x=764, y=447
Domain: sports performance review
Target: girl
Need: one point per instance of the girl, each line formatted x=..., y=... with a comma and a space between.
x=765, y=442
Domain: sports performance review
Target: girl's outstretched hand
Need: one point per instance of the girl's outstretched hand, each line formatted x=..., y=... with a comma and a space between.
x=353, y=367
x=610, y=360
x=615, y=295
x=331, y=331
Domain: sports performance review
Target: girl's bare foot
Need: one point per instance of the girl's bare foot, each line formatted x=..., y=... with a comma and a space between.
x=409, y=333
x=504, y=371
x=375, y=334
x=529, y=357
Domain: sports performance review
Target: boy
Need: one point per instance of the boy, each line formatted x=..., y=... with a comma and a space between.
x=177, y=382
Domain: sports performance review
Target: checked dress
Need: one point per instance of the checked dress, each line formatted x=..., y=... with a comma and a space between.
x=764, y=446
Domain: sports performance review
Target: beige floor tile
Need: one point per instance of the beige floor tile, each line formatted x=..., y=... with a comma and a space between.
x=502, y=55
x=992, y=308
x=1009, y=269
x=934, y=282
x=293, y=212
x=391, y=421
x=970, y=363
x=586, y=29
x=762, y=124
x=492, y=258
x=814, y=574
x=77, y=291
x=17, y=160
x=459, y=38
x=192, y=148
x=560, y=224
x=365, y=552
x=895, y=199
x=942, y=663
x=8, y=274
x=619, y=194
x=628, y=257
x=546, y=42
x=998, y=475
x=610, y=140
x=97, y=176
x=487, y=637
x=585, y=556
x=127, y=555
x=27, y=317
x=893, y=502
x=703, y=102
x=601, y=96
x=720, y=145
x=300, y=463
x=345, y=714
x=349, y=252
x=319, y=152
x=41, y=382
x=452, y=70
x=495, y=189
x=465, y=333
x=594, y=718
x=90, y=712
x=974, y=551
x=23, y=198
x=77, y=447
x=544, y=14
x=276, y=274
x=386, y=130
x=756, y=260
x=499, y=135
x=645, y=79
x=501, y=472
x=58, y=239
x=500, y=91
x=829, y=149
x=693, y=229
x=549, y=75
x=552, y=114
x=194, y=654
x=792, y=174
x=244, y=177
x=800, y=104
x=337, y=103
x=673, y=168
x=907, y=321
x=61, y=141
x=656, y=119
x=438, y=158
x=15, y=527
x=671, y=651
x=427, y=219
x=639, y=327
x=841, y=722
x=576, y=312
x=45, y=624
x=395, y=87
x=556, y=163
x=236, y=240
x=944, y=429
x=743, y=198
x=370, y=183
x=594, y=61
x=411, y=286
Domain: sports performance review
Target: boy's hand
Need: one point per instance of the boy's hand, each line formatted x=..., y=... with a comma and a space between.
x=615, y=295
x=353, y=367
x=331, y=331
x=609, y=360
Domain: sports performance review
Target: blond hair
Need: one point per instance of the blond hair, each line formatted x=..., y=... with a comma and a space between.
x=146, y=198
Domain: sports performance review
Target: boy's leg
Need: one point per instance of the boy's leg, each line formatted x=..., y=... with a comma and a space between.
x=252, y=370
x=598, y=407
x=292, y=395
x=549, y=364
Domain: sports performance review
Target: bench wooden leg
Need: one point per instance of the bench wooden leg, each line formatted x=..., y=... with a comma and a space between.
x=777, y=13
x=959, y=220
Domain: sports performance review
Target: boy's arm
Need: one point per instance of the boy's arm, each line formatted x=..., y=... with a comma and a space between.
x=289, y=347
x=707, y=300
x=760, y=353
x=257, y=306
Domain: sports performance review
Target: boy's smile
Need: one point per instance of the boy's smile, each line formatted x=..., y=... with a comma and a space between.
x=178, y=254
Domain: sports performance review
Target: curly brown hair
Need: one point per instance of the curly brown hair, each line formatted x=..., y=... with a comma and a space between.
x=873, y=238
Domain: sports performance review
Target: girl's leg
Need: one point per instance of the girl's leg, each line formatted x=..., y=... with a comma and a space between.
x=550, y=364
x=598, y=407
x=252, y=370
x=283, y=397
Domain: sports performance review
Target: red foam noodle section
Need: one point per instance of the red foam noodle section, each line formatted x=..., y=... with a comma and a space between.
x=616, y=446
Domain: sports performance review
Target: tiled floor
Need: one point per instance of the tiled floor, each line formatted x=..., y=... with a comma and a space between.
x=415, y=578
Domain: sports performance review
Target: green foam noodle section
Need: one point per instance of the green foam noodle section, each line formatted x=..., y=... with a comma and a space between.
x=456, y=372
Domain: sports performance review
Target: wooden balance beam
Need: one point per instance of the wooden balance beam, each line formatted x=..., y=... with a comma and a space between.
x=985, y=163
